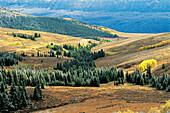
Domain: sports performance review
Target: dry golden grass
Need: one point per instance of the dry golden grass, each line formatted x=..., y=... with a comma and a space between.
x=10, y=43
x=125, y=53
x=132, y=37
x=104, y=99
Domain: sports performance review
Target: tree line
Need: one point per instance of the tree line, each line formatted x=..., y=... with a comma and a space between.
x=36, y=35
x=7, y=59
x=160, y=83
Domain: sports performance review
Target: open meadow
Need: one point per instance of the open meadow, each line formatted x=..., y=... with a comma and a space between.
x=106, y=98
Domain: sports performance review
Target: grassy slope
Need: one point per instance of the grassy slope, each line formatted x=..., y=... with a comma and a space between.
x=127, y=56
x=10, y=43
x=105, y=99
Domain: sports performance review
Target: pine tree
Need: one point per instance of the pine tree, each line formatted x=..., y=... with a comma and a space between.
x=149, y=72
x=142, y=81
x=65, y=54
x=3, y=88
x=1, y=77
x=38, y=54
x=127, y=77
x=168, y=88
x=37, y=93
x=12, y=89
x=163, y=66
x=35, y=35
x=42, y=85
x=122, y=81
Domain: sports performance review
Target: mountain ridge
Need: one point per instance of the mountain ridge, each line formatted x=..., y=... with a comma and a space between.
x=15, y=20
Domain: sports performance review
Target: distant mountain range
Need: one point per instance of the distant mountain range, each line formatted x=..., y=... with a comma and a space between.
x=144, y=16
x=93, y=5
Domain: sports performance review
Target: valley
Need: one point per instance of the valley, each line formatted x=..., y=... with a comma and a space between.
x=130, y=16
x=61, y=65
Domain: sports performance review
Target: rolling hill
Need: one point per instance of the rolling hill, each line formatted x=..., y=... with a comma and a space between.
x=126, y=54
x=67, y=26
x=15, y=20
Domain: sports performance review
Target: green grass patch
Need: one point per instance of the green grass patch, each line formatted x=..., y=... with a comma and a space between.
x=111, y=52
x=132, y=46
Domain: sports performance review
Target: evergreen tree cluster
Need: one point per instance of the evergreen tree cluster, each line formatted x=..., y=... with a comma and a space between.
x=72, y=77
x=98, y=54
x=137, y=78
x=36, y=35
x=39, y=54
x=83, y=52
x=23, y=54
x=7, y=59
x=69, y=47
x=85, y=71
x=15, y=99
x=160, y=83
x=56, y=48
x=83, y=58
x=50, y=53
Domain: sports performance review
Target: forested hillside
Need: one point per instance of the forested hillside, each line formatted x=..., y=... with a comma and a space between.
x=9, y=19
x=130, y=16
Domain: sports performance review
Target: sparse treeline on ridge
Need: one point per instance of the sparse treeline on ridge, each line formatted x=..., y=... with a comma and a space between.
x=32, y=37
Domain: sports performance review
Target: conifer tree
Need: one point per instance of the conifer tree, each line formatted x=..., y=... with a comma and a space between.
x=163, y=66
x=36, y=35
x=37, y=93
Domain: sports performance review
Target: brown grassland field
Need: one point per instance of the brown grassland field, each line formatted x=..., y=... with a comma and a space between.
x=122, y=53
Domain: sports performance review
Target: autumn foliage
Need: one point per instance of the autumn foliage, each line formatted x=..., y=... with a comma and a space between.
x=143, y=66
x=163, y=43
